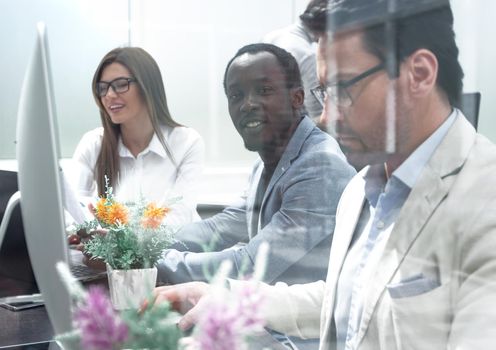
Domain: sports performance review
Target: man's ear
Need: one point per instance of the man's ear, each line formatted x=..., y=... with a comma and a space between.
x=422, y=70
x=297, y=97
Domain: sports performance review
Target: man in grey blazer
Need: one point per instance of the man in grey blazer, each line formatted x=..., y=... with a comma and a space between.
x=293, y=189
x=413, y=258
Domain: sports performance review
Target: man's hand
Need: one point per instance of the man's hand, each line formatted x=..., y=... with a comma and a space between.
x=186, y=298
x=96, y=264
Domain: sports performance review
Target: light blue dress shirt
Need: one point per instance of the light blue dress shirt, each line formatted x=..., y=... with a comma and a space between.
x=384, y=202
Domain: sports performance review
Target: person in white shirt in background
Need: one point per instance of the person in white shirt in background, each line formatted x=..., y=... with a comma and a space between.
x=300, y=40
x=141, y=149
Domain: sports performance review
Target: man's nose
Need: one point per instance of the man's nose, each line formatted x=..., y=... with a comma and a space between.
x=249, y=102
x=324, y=118
x=330, y=113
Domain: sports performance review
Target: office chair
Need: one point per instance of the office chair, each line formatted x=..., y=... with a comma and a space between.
x=470, y=104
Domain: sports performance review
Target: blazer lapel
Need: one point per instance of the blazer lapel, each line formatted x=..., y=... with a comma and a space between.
x=291, y=152
x=251, y=195
x=347, y=216
x=429, y=191
x=416, y=211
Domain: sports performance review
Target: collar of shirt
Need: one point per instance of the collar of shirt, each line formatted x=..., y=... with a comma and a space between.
x=154, y=146
x=375, y=183
x=409, y=171
x=385, y=197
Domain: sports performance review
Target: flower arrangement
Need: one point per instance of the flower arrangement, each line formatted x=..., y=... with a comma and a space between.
x=97, y=326
x=134, y=235
x=226, y=323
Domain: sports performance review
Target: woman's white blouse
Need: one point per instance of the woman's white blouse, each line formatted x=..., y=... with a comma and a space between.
x=150, y=175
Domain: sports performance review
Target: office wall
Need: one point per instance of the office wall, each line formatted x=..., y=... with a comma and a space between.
x=79, y=33
x=474, y=27
x=192, y=41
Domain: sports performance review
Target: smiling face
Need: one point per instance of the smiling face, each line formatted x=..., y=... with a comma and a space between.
x=263, y=109
x=125, y=107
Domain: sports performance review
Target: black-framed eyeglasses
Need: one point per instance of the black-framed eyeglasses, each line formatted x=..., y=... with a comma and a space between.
x=119, y=86
x=338, y=93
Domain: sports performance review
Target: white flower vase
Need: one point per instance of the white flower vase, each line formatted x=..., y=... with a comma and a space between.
x=128, y=288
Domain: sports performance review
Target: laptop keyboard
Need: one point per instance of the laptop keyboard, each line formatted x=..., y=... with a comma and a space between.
x=84, y=273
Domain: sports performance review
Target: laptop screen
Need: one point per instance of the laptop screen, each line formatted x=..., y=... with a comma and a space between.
x=16, y=273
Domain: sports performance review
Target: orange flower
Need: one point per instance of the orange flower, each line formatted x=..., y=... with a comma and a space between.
x=101, y=210
x=153, y=216
x=117, y=213
x=111, y=213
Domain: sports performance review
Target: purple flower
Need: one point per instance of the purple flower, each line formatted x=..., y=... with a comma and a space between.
x=220, y=328
x=225, y=323
x=101, y=328
x=249, y=302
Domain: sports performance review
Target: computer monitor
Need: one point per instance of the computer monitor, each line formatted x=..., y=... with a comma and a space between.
x=16, y=273
x=40, y=182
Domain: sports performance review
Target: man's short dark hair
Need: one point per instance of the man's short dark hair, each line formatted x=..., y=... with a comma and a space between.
x=286, y=61
x=431, y=28
x=315, y=16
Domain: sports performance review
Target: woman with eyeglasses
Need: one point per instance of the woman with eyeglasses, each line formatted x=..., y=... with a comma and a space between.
x=142, y=151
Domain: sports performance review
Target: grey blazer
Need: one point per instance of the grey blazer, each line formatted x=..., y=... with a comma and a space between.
x=296, y=218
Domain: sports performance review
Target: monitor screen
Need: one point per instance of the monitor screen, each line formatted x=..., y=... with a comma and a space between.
x=40, y=182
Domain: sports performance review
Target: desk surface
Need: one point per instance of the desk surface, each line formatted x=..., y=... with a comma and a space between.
x=24, y=327
x=32, y=326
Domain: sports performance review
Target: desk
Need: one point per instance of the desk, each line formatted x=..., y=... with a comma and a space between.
x=32, y=326
x=20, y=328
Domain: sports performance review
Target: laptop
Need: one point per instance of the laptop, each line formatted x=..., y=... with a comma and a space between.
x=18, y=287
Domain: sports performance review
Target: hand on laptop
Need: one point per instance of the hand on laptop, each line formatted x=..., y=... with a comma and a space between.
x=96, y=264
x=186, y=298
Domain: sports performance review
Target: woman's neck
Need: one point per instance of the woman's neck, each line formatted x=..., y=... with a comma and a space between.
x=137, y=137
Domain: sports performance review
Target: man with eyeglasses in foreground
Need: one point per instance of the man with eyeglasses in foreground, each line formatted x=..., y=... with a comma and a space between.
x=413, y=258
